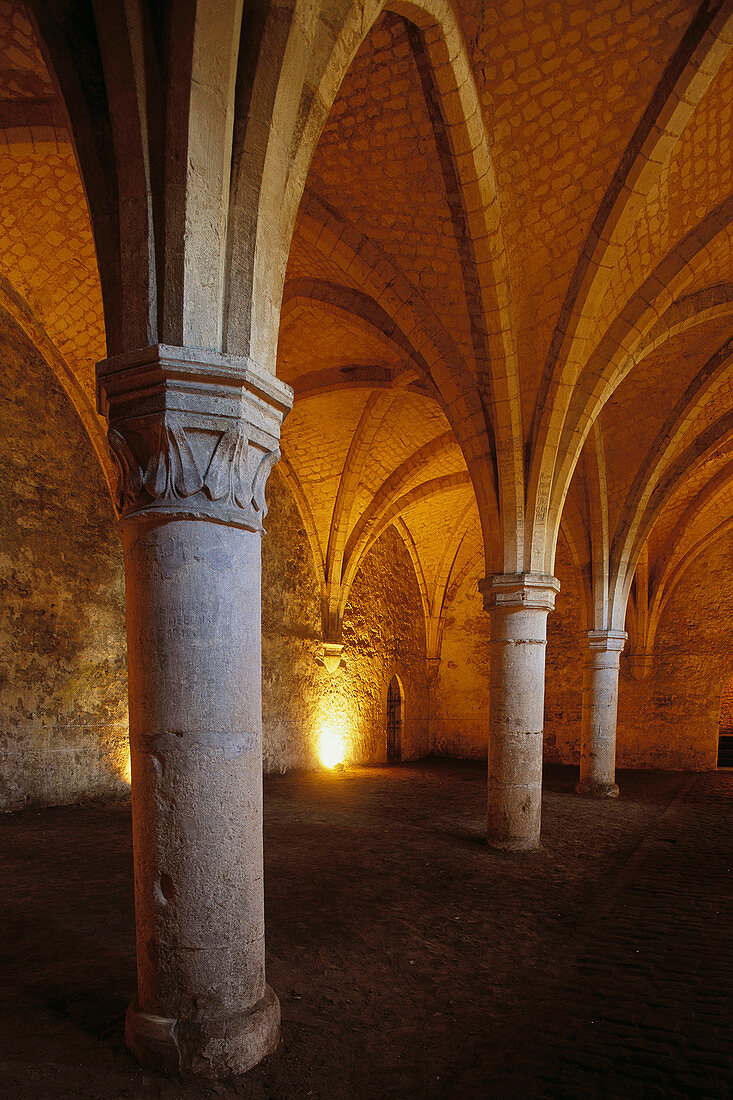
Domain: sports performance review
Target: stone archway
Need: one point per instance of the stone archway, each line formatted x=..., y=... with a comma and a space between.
x=395, y=719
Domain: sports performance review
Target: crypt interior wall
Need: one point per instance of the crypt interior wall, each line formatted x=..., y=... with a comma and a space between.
x=459, y=715
x=670, y=719
x=459, y=707
x=63, y=686
x=383, y=634
x=564, y=668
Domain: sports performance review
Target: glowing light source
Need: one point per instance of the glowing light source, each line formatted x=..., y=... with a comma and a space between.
x=331, y=747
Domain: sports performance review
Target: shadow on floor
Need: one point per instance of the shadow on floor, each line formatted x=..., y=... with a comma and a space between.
x=411, y=960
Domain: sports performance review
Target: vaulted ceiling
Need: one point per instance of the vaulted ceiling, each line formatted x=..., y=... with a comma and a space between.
x=593, y=253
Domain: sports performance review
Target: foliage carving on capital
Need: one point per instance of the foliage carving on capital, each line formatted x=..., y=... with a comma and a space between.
x=263, y=471
x=172, y=472
x=128, y=474
x=226, y=478
x=173, y=455
x=193, y=433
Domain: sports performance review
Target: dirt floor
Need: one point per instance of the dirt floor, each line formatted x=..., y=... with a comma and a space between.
x=410, y=959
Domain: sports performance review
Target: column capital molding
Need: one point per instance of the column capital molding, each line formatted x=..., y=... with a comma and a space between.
x=432, y=665
x=509, y=591
x=331, y=654
x=640, y=664
x=605, y=641
x=193, y=433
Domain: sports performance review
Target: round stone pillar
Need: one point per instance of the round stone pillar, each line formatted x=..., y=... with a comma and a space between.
x=194, y=436
x=600, y=705
x=518, y=604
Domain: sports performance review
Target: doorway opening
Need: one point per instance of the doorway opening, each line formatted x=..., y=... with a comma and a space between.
x=725, y=727
x=395, y=709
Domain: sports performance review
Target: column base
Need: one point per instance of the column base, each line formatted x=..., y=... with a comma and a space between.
x=518, y=844
x=597, y=790
x=212, y=1048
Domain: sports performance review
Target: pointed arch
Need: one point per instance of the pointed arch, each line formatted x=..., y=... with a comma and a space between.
x=687, y=76
x=21, y=313
x=622, y=348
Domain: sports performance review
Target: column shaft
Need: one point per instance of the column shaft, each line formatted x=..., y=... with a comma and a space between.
x=194, y=436
x=600, y=705
x=519, y=605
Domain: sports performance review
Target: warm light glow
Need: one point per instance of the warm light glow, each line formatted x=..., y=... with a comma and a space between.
x=331, y=747
x=335, y=719
x=126, y=773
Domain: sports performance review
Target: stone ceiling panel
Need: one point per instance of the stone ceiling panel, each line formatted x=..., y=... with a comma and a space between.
x=316, y=437
x=697, y=178
x=23, y=74
x=563, y=87
x=314, y=338
x=47, y=253
x=378, y=166
x=636, y=411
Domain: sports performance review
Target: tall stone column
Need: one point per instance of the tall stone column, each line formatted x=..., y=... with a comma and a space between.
x=518, y=604
x=194, y=436
x=600, y=705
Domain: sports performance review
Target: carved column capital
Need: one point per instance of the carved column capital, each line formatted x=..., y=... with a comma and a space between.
x=604, y=642
x=192, y=433
x=509, y=591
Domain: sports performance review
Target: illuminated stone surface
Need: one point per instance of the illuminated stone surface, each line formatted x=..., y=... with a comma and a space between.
x=489, y=247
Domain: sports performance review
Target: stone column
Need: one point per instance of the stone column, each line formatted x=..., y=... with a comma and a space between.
x=518, y=604
x=194, y=436
x=600, y=704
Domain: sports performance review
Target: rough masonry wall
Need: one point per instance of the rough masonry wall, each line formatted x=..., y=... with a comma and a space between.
x=459, y=710
x=63, y=687
x=726, y=707
x=459, y=704
x=291, y=630
x=383, y=634
x=564, y=669
x=670, y=720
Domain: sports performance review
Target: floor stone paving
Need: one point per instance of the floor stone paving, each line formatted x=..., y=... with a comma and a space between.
x=410, y=959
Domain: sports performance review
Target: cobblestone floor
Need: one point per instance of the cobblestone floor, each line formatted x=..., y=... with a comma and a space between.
x=411, y=960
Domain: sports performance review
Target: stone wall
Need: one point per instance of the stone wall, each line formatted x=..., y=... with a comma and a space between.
x=63, y=688
x=383, y=634
x=564, y=670
x=63, y=693
x=459, y=707
x=726, y=707
x=63, y=681
x=670, y=719
x=459, y=715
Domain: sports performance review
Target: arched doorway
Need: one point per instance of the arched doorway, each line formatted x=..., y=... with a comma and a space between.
x=395, y=709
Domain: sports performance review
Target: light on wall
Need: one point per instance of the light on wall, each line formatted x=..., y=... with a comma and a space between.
x=333, y=727
x=331, y=746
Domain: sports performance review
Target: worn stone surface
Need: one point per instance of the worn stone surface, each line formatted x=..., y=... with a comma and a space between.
x=600, y=705
x=412, y=961
x=564, y=671
x=459, y=701
x=63, y=682
x=518, y=605
x=673, y=714
x=383, y=635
